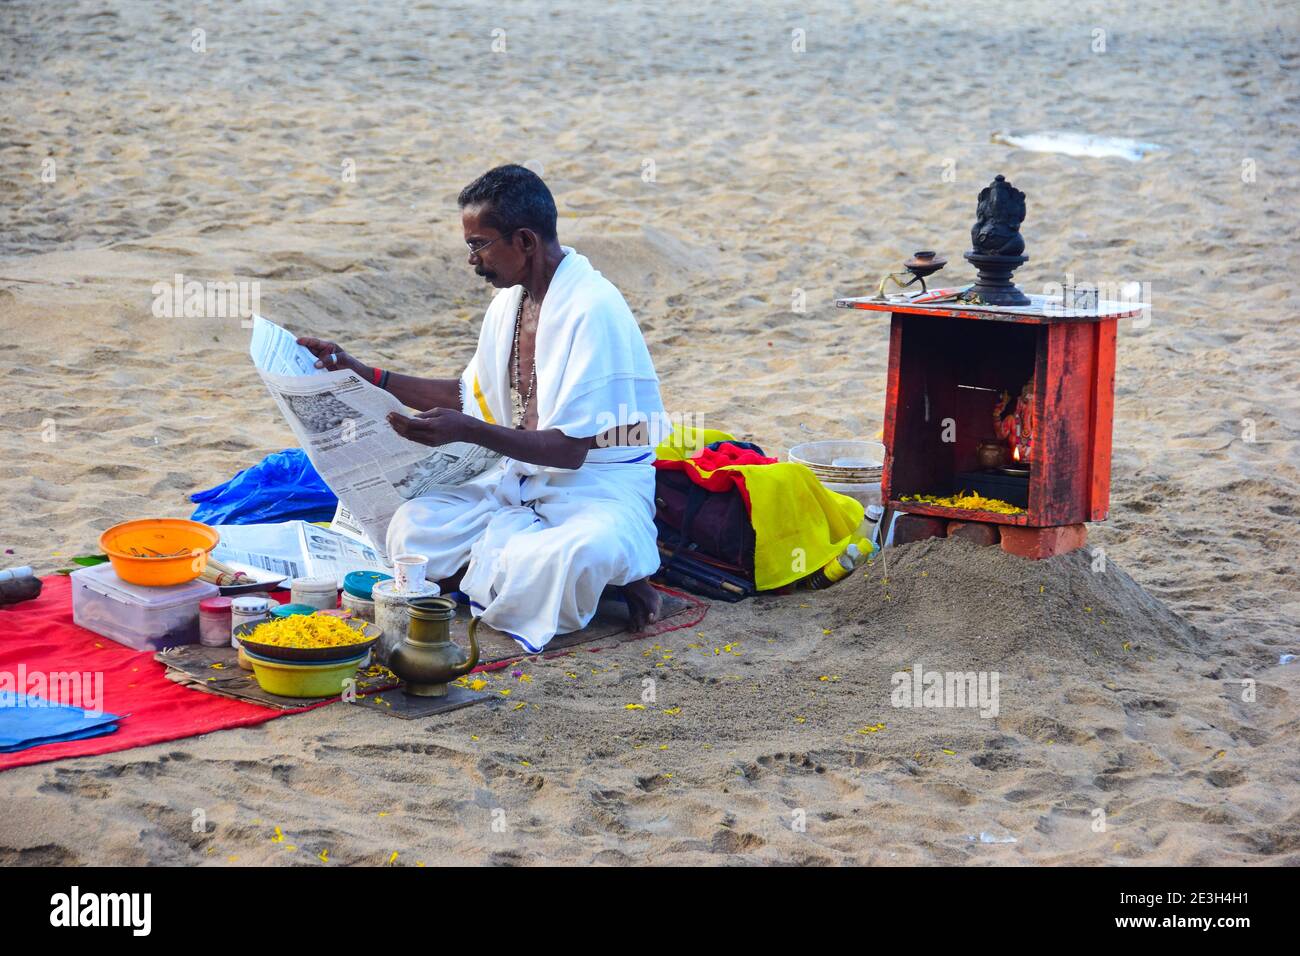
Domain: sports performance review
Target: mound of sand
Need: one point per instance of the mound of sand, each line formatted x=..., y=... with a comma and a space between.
x=981, y=607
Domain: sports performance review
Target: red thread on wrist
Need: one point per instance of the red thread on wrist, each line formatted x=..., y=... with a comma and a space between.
x=376, y=374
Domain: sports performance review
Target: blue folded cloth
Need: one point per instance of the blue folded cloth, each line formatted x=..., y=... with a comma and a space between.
x=29, y=721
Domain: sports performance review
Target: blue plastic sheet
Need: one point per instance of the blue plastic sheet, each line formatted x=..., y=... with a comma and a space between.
x=283, y=486
x=27, y=721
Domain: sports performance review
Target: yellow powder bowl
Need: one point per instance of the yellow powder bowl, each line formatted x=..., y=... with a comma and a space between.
x=303, y=678
x=157, y=552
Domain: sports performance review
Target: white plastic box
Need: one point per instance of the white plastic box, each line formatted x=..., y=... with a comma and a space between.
x=143, y=618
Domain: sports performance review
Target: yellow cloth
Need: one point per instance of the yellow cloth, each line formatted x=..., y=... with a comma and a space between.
x=799, y=526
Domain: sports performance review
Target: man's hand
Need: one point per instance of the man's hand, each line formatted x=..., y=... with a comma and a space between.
x=331, y=357
x=437, y=426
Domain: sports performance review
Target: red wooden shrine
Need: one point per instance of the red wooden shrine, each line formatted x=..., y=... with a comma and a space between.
x=949, y=363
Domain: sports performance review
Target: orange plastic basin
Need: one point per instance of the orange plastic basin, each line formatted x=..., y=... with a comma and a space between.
x=145, y=551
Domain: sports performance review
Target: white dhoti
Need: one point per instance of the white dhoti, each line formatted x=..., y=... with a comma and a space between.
x=541, y=544
x=536, y=568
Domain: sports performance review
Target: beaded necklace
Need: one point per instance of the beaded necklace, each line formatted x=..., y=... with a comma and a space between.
x=519, y=404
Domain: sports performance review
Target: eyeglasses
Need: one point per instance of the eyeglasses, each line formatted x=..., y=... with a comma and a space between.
x=475, y=250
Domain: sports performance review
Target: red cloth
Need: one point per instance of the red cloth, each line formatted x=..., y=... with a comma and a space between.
x=40, y=635
x=711, y=468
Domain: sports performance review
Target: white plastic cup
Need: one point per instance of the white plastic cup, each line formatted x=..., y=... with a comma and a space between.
x=408, y=573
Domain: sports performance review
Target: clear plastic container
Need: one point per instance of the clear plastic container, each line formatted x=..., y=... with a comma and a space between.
x=214, y=622
x=142, y=618
x=361, y=608
x=321, y=593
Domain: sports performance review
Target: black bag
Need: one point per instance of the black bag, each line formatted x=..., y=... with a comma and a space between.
x=706, y=540
x=710, y=524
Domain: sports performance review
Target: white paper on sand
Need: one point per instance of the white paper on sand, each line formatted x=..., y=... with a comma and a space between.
x=294, y=549
x=1077, y=144
x=341, y=422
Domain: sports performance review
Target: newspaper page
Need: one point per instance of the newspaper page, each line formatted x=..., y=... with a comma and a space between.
x=294, y=549
x=340, y=421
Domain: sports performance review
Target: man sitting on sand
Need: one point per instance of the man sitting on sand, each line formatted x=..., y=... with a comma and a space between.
x=562, y=386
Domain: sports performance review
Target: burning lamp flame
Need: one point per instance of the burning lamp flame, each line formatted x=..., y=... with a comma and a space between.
x=1015, y=453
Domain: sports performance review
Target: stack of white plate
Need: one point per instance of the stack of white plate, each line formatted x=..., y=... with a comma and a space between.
x=850, y=468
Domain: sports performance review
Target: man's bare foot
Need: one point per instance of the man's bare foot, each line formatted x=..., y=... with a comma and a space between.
x=643, y=603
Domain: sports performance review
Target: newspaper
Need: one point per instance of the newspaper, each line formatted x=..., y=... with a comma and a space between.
x=294, y=549
x=341, y=422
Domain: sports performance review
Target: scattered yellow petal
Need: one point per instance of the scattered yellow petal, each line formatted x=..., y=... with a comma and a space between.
x=1128, y=646
x=218, y=666
x=505, y=691
x=477, y=684
x=232, y=859
x=634, y=706
x=383, y=813
x=1219, y=754
x=673, y=711
x=473, y=736
x=826, y=630
x=393, y=858
x=801, y=720
x=279, y=836
x=950, y=753
x=525, y=763
x=521, y=705
x=526, y=678
x=967, y=501
x=323, y=856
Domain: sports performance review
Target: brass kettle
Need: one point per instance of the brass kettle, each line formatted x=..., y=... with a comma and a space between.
x=428, y=658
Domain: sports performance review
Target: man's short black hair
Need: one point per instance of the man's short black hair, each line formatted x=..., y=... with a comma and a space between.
x=512, y=197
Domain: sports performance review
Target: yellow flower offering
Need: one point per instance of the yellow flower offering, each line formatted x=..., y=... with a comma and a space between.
x=307, y=630
x=969, y=502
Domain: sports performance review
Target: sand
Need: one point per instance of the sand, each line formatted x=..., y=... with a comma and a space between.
x=714, y=174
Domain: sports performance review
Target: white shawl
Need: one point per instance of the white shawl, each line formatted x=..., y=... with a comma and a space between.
x=593, y=368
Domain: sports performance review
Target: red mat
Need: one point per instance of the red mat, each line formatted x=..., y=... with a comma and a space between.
x=41, y=636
